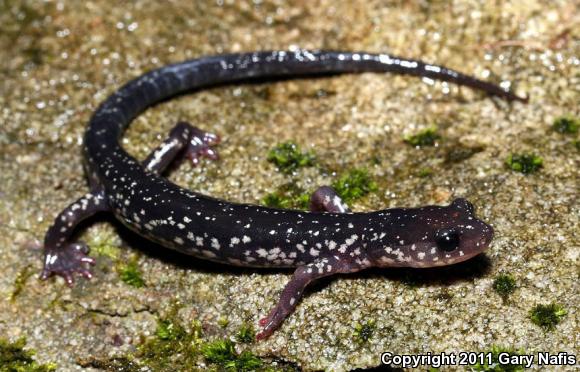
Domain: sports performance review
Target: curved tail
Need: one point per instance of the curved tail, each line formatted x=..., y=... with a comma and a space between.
x=112, y=117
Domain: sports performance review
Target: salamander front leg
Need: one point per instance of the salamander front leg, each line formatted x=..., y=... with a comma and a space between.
x=196, y=142
x=293, y=291
x=61, y=256
x=325, y=199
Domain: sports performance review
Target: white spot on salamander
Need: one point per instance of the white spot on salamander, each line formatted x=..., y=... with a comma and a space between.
x=215, y=243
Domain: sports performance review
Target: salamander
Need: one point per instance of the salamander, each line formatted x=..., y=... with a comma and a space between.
x=326, y=240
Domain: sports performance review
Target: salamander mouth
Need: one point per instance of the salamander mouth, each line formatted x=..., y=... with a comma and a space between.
x=474, y=249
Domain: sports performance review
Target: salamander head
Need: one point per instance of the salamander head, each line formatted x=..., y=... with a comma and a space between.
x=435, y=236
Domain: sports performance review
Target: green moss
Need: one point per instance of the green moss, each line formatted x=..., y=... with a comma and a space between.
x=426, y=137
x=524, y=163
x=354, y=184
x=547, y=316
x=172, y=345
x=495, y=366
x=577, y=144
x=566, y=125
x=287, y=196
x=13, y=358
x=106, y=248
x=246, y=361
x=246, y=334
x=219, y=352
x=130, y=274
x=223, y=353
x=223, y=322
x=288, y=157
x=169, y=331
x=364, y=332
x=504, y=285
x=425, y=172
x=20, y=281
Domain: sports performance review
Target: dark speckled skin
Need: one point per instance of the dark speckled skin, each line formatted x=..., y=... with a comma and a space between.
x=317, y=243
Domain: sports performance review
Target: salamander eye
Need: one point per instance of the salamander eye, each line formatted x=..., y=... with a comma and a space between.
x=447, y=239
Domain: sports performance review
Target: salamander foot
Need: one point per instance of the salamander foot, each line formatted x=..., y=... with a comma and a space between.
x=184, y=139
x=67, y=260
x=200, y=145
x=292, y=292
x=270, y=323
x=326, y=199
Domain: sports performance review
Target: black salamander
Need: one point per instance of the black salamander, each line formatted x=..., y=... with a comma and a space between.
x=328, y=240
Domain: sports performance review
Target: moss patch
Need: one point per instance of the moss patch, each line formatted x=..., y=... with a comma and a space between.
x=426, y=137
x=287, y=196
x=223, y=322
x=172, y=345
x=288, y=157
x=425, y=172
x=223, y=354
x=354, y=184
x=364, y=331
x=524, y=163
x=547, y=316
x=504, y=285
x=246, y=334
x=20, y=281
x=566, y=125
x=13, y=358
x=131, y=274
x=106, y=248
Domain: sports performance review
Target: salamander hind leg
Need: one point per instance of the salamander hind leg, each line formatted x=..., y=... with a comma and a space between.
x=325, y=199
x=61, y=256
x=292, y=293
x=194, y=142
